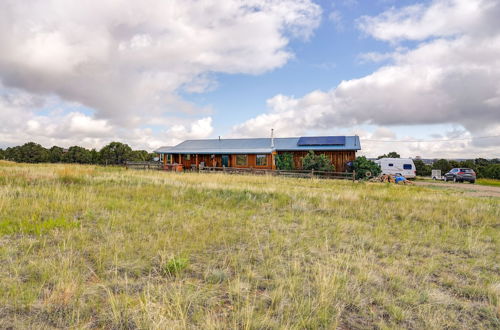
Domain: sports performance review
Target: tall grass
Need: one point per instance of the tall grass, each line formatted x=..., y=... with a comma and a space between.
x=84, y=246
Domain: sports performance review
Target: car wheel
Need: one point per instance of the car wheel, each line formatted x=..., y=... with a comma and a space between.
x=445, y=179
x=455, y=179
x=473, y=181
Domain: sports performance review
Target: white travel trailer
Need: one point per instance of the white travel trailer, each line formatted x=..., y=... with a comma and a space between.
x=402, y=166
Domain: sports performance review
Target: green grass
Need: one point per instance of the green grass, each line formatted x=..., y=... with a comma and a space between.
x=488, y=182
x=86, y=247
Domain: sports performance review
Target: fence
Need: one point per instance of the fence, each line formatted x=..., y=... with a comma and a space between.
x=237, y=170
x=288, y=173
x=144, y=165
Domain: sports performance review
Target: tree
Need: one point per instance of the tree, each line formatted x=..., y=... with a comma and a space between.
x=391, y=154
x=491, y=171
x=32, y=152
x=2, y=154
x=140, y=156
x=422, y=168
x=365, y=168
x=56, y=154
x=115, y=153
x=13, y=154
x=317, y=162
x=442, y=165
x=95, y=157
x=78, y=155
x=285, y=161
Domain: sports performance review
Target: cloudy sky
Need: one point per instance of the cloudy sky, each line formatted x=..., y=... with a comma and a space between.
x=418, y=77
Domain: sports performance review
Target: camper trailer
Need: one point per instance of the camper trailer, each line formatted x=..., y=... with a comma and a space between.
x=402, y=166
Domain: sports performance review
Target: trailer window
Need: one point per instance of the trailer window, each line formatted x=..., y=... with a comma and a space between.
x=391, y=164
x=261, y=160
x=407, y=166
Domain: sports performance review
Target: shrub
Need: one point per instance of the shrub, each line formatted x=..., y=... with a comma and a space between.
x=422, y=168
x=362, y=166
x=317, y=162
x=285, y=161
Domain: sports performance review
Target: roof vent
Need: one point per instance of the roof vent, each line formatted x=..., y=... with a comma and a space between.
x=272, y=137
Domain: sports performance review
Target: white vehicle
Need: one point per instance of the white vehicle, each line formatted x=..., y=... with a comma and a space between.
x=402, y=166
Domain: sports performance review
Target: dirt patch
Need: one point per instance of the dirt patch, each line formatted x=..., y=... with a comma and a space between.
x=468, y=188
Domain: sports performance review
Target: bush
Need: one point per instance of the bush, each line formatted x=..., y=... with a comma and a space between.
x=363, y=166
x=317, y=162
x=421, y=168
x=285, y=161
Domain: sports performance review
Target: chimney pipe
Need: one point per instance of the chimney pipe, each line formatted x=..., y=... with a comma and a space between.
x=272, y=137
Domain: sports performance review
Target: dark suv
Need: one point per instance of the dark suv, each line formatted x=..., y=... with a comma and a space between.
x=460, y=175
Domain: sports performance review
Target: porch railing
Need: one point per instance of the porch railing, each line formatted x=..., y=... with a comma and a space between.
x=242, y=170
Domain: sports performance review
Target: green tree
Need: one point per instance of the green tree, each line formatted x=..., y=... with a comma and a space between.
x=78, y=155
x=2, y=154
x=442, y=165
x=13, y=154
x=492, y=171
x=285, y=161
x=56, y=154
x=421, y=168
x=95, y=157
x=115, y=153
x=32, y=152
x=391, y=154
x=364, y=166
x=317, y=162
x=140, y=156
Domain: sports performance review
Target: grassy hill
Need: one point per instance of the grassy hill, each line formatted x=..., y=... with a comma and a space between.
x=88, y=246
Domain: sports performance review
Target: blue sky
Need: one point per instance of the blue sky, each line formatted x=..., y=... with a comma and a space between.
x=322, y=62
x=156, y=73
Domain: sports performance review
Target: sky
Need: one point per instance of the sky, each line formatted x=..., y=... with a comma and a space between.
x=418, y=77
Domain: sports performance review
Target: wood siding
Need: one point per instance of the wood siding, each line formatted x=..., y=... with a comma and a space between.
x=338, y=158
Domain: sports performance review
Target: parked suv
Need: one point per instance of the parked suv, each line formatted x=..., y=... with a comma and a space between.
x=460, y=175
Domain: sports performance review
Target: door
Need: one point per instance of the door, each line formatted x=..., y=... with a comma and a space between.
x=225, y=161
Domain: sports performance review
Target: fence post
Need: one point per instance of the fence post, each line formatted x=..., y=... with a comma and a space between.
x=312, y=173
x=353, y=175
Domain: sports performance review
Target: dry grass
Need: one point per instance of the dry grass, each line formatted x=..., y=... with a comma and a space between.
x=84, y=246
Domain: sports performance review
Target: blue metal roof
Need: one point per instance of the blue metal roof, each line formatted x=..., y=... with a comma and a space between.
x=255, y=146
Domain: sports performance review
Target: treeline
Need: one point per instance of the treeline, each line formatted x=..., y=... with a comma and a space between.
x=484, y=168
x=115, y=153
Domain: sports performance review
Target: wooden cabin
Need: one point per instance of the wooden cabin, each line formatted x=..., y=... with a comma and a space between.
x=259, y=153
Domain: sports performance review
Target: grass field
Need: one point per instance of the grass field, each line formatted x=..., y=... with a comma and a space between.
x=84, y=246
x=488, y=182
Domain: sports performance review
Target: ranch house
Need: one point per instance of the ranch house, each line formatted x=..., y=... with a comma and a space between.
x=258, y=153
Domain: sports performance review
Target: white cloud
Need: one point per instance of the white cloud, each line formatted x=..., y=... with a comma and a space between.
x=21, y=121
x=126, y=58
x=442, y=80
x=129, y=61
x=442, y=18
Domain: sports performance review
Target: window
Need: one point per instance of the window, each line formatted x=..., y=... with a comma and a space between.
x=188, y=157
x=391, y=165
x=169, y=158
x=241, y=160
x=261, y=160
x=407, y=166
